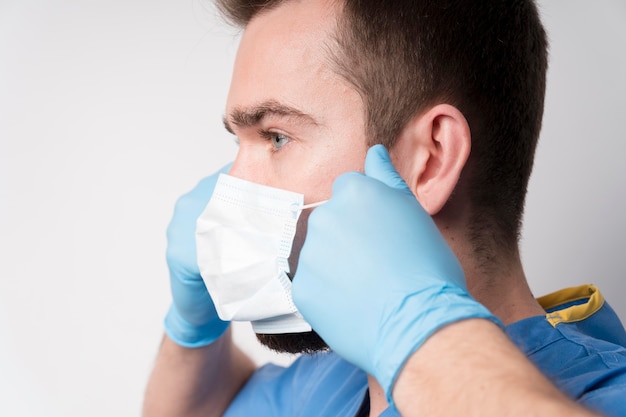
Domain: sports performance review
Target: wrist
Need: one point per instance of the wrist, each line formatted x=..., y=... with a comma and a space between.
x=471, y=368
x=190, y=335
x=427, y=313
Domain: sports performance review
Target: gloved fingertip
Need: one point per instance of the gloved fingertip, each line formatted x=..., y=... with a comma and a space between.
x=343, y=180
x=378, y=165
x=380, y=150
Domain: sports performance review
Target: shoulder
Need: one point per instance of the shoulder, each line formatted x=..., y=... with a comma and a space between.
x=580, y=344
x=314, y=385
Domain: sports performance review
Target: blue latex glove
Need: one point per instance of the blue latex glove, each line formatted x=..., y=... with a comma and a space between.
x=192, y=320
x=375, y=277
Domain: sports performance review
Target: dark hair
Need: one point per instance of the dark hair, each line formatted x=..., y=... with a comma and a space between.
x=487, y=58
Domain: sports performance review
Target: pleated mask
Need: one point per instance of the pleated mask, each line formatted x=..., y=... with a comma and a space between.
x=243, y=240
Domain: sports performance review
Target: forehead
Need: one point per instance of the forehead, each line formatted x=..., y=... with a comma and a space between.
x=283, y=56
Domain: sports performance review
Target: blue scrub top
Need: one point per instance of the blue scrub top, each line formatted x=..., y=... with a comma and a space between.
x=580, y=345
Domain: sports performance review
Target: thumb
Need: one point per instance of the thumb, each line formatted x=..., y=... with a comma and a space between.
x=378, y=166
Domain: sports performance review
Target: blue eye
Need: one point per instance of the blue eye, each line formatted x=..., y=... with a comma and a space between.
x=278, y=140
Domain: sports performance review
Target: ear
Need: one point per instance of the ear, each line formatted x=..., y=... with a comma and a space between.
x=430, y=154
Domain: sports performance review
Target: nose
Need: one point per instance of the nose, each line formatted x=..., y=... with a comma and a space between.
x=248, y=166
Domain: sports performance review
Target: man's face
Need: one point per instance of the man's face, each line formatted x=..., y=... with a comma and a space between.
x=299, y=124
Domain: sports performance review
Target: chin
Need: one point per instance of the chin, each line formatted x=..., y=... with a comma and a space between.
x=307, y=342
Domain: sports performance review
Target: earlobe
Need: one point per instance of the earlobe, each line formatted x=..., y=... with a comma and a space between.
x=431, y=152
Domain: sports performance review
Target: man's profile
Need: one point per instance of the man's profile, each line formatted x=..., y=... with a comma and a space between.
x=454, y=91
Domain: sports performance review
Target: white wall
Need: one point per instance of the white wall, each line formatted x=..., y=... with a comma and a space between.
x=575, y=230
x=111, y=109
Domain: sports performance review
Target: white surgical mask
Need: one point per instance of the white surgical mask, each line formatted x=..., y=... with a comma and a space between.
x=243, y=239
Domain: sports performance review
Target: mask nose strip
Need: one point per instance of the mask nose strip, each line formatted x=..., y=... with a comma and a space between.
x=295, y=210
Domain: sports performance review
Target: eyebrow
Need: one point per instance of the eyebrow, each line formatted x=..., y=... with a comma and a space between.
x=252, y=116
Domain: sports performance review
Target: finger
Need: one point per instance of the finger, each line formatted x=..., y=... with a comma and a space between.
x=378, y=165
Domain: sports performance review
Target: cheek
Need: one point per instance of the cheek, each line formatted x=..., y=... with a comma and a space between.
x=316, y=180
x=335, y=163
x=319, y=188
x=298, y=241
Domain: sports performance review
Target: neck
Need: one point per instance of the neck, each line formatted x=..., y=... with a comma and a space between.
x=494, y=276
x=378, y=401
x=504, y=290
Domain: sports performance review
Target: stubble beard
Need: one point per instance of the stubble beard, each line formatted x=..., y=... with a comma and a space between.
x=295, y=343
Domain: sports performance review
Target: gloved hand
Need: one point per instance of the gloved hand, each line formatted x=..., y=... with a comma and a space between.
x=375, y=277
x=192, y=320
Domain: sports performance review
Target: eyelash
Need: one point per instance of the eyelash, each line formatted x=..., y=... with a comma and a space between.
x=270, y=135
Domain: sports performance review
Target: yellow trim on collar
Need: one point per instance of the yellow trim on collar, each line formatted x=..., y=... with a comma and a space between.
x=576, y=312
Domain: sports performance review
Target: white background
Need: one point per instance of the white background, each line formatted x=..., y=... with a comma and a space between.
x=109, y=110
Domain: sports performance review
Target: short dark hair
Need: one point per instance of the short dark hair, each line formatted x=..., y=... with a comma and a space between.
x=488, y=58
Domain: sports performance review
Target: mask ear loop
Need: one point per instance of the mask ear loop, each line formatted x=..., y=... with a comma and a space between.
x=312, y=205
